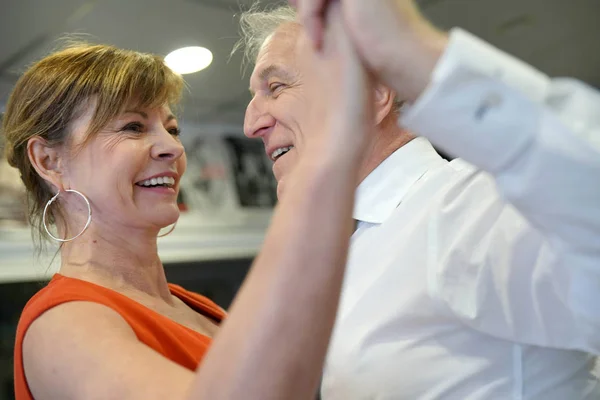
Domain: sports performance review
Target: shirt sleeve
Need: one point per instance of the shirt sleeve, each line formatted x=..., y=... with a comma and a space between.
x=539, y=138
x=518, y=252
x=493, y=271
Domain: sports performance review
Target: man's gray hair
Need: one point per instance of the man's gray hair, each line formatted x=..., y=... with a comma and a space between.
x=258, y=23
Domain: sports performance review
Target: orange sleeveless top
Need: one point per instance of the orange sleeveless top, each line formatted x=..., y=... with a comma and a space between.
x=174, y=341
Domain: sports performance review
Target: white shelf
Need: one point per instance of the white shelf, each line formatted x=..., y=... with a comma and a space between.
x=231, y=235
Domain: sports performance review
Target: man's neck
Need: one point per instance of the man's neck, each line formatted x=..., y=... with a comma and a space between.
x=386, y=141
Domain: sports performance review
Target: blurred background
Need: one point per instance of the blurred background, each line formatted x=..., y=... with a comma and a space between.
x=228, y=192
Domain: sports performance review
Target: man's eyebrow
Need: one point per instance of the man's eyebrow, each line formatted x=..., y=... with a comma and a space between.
x=271, y=70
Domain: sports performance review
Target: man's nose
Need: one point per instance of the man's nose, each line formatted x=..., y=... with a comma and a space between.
x=258, y=120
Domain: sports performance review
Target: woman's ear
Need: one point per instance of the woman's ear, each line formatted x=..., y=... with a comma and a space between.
x=47, y=161
x=384, y=102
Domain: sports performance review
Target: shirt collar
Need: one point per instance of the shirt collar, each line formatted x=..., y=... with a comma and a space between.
x=384, y=188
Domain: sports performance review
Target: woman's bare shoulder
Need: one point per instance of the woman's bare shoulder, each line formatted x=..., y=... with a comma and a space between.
x=87, y=350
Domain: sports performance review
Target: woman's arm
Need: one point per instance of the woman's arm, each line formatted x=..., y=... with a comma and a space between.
x=274, y=343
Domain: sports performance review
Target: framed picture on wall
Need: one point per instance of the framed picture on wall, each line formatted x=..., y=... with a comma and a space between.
x=252, y=173
x=207, y=185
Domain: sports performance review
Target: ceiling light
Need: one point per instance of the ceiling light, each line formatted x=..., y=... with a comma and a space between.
x=188, y=60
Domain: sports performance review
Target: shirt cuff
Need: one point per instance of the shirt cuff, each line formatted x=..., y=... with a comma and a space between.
x=482, y=104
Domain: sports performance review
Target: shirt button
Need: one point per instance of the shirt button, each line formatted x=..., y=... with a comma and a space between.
x=491, y=101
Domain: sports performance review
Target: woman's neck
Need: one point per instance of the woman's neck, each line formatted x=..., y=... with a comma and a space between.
x=124, y=262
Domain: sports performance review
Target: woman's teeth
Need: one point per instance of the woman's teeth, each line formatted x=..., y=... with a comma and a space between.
x=161, y=181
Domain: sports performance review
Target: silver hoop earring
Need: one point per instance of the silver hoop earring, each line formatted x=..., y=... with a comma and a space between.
x=89, y=220
x=170, y=230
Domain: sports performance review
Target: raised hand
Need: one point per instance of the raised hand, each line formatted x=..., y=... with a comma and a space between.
x=391, y=36
x=341, y=87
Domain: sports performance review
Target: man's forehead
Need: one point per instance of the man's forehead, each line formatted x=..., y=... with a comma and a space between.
x=278, y=50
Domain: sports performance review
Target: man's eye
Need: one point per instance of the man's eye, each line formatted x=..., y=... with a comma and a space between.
x=275, y=86
x=175, y=131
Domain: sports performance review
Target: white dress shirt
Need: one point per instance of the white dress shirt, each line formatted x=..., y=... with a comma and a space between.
x=539, y=137
x=472, y=285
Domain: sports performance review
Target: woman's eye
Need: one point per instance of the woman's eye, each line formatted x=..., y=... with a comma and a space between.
x=175, y=131
x=134, y=127
x=137, y=127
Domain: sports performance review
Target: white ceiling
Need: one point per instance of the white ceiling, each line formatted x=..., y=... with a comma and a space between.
x=557, y=36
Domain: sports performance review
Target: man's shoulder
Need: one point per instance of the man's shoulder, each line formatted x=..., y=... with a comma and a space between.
x=461, y=166
x=458, y=177
x=458, y=183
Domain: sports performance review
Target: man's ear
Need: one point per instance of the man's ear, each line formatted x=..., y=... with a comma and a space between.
x=47, y=161
x=384, y=102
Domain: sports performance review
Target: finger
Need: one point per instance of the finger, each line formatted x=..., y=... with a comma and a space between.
x=312, y=14
x=356, y=84
x=334, y=39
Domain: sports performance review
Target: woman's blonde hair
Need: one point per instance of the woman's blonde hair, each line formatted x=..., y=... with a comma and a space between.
x=53, y=91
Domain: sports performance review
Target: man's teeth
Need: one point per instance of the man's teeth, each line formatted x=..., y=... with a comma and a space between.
x=280, y=151
x=163, y=180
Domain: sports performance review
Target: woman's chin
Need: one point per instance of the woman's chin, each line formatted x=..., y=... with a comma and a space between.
x=166, y=222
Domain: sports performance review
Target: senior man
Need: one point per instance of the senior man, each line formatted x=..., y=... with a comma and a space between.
x=458, y=286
